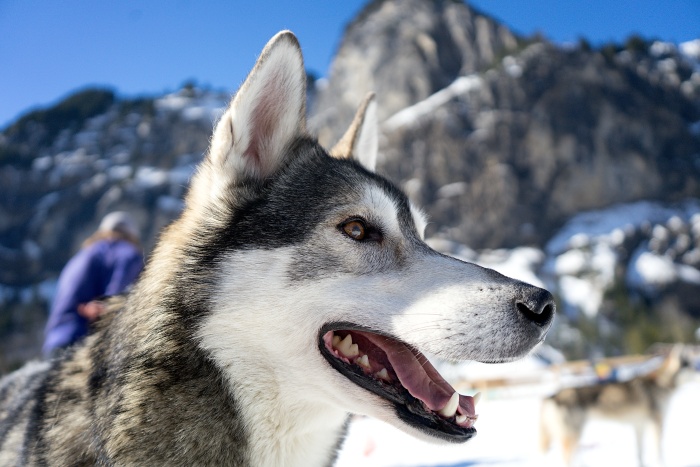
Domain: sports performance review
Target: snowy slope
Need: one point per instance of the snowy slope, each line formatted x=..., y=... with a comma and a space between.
x=509, y=435
x=655, y=245
x=647, y=245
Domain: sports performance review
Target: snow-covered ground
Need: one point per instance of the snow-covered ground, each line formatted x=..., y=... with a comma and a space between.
x=509, y=435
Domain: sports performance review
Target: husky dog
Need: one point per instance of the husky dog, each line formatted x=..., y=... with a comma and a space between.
x=640, y=401
x=294, y=289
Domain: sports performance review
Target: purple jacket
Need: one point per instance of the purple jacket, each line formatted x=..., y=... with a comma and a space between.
x=105, y=267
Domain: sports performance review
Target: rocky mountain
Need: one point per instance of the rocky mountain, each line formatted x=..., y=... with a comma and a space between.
x=584, y=162
x=405, y=51
x=523, y=134
x=63, y=168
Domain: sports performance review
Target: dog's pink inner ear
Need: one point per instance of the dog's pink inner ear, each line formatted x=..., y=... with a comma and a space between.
x=272, y=110
x=262, y=126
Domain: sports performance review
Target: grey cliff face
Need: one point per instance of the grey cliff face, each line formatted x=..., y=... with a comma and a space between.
x=502, y=139
x=405, y=51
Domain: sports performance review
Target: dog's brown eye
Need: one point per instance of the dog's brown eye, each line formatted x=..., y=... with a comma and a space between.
x=355, y=230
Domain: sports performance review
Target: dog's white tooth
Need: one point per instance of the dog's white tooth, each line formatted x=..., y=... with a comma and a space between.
x=336, y=340
x=383, y=374
x=477, y=398
x=459, y=419
x=353, y=351
x=450, y=408
x=344, y=345
x=363, y=361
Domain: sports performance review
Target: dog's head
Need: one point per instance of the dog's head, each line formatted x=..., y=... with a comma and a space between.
x=319, y=285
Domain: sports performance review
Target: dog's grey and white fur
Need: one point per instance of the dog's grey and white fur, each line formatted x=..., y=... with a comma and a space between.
x=227, y=352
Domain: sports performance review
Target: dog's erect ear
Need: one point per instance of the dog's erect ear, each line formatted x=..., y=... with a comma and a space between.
x=361, y=140
x=266, y=114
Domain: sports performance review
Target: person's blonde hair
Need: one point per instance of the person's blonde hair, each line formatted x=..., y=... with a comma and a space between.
x=117, y=225
x=111, y=235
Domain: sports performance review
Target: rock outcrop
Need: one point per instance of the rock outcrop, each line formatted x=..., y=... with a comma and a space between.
x=405, y=51
x=515, y=135
x=59, y=176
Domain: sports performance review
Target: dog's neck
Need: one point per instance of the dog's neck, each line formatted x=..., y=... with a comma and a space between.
x=288, y=423
x=287, y=433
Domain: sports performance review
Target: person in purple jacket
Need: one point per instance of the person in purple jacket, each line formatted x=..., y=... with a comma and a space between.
x=108, y=262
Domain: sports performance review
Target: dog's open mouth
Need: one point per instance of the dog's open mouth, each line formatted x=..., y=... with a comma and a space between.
x=402, y=375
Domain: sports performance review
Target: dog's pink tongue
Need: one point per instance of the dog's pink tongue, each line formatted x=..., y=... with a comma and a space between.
x=418, y=376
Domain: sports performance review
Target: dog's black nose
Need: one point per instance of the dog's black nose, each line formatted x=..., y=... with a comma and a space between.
x=537, y=305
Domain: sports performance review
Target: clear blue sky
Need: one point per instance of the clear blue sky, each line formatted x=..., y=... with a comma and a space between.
x=49, y=48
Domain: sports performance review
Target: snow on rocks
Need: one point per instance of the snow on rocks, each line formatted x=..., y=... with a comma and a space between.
x=647, y=246
x=409, y=115
x=654, y=245
x=192, y=105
